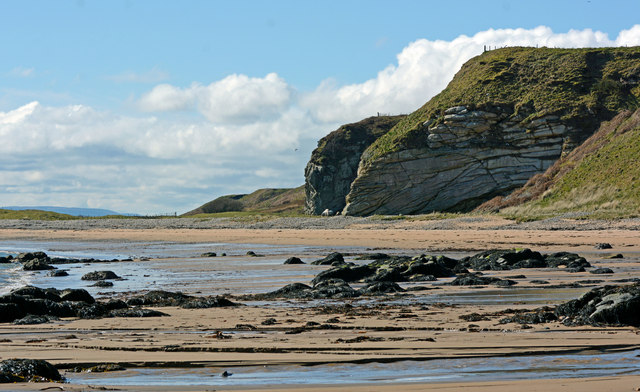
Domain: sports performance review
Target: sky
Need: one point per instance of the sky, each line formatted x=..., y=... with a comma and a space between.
x=157, y=107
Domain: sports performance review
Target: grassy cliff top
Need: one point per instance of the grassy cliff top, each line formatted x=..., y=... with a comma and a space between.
x=338, y=142
x=573, y=83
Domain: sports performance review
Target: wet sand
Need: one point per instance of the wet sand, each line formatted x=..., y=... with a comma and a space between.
x=374, y=332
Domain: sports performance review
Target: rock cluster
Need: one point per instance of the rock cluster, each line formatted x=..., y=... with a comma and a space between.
x=470, y=155
x=29, y=305
x=608, y=305
x=28, y=370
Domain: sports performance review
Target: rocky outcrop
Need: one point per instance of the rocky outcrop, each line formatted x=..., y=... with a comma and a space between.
x=470, y=156
x=334, y=163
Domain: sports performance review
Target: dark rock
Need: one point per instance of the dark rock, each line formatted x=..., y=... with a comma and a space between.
x=334, y=288
x=603, y=245
x=209, y=254
x=37, y=265
x=608, y=305
x=226, y=374
x=505, y=283
x=498, y=260
x=515, y=277
x=570, y=260
x=599, y=271
x=136, y=312
x=253, y=254
x=540, y=317
x=590, y=281
x=28, y=370
x=293, y=290
x=293, y=260
x=77, y=295
x=373, y=256
x=102, y=283
x=473, y=317
x=10, y=312
x=473, y=280
x=160, y=298
x=330, y=259
x=102, y=368
x=269, y=321
x=378, y=288
x=31, y=319
x=58, y=273
x=36, y=292
x=24, y=257
x=93, y=311
x=207, y=302
x=422, y=278
x=6, y=260
x=575, y=269
x=100, y=275
x=616, y=256
x=539, y=281
x=346, y=272
x=114, y=304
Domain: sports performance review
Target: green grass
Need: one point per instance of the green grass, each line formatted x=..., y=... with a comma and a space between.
x=573, y=83
x=34, y=215
x=604, y=184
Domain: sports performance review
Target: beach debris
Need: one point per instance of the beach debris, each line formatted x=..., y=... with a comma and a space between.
x=100, y=275
x=293, y=260
x=28, y=370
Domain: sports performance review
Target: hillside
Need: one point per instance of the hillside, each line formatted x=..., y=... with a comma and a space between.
x=600, y=178
x=268, y=201
x=507, y=115
x=34, y=215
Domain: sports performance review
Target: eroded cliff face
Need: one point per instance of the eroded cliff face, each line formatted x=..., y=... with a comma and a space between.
x=334, y=164
x=470, y=156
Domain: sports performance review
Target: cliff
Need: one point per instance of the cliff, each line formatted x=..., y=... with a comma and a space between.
x=507, y=115
x=599, y=178
x=334, y=163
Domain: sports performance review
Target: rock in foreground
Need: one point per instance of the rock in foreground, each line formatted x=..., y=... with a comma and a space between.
x=28, y=370
x=608, y=305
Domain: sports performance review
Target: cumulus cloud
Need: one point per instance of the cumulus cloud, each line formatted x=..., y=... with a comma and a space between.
x=235, y=99
x=191, y=144
x=425, y=67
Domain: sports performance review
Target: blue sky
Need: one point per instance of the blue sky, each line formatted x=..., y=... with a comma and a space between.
x=160, y=106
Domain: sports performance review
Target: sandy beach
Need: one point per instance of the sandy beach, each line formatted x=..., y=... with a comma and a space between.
x=381, y=331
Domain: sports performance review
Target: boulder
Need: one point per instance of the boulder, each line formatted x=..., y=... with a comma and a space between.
x=603, y=245
x=37, y=265
x=293, y=260
x=100, y=275
x=378, y=288
x=599, y=271
x=334, y=257
x=28, y=370
x=58, y=273
x=77, y=295
x=608, y=305
x=102, y=283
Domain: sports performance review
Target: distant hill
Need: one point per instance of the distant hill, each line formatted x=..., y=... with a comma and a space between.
x=268, y=200
x=73, y=211
x=599, y=178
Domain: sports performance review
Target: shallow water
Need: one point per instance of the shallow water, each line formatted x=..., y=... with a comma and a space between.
x=442, y=370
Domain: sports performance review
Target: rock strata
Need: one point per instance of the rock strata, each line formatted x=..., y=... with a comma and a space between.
x=470, y=155
x=334, y=163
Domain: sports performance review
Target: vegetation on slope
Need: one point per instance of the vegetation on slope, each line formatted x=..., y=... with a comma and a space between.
x=584, y=86
x=366, y=131
x=34, y=215
x=262, y=201
x=599, y=179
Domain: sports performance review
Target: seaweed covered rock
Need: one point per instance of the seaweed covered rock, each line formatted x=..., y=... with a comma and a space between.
x=28, y=370
x=169, y=298
x=608, y=305
x=477, y=280
x=293, y=260
x=378, y=288
x=501, y=260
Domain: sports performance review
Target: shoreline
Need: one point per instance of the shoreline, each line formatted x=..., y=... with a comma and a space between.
x=426, y=332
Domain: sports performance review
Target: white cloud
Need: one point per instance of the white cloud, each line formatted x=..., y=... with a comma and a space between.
x=233, y=135
x=234, y=99
x=425, y=67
